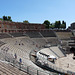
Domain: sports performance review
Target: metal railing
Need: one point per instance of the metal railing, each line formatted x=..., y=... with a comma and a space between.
x=30, y=69
x=53, y=67
x=23, y=67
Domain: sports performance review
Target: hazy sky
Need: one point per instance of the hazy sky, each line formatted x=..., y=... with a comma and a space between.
x=36, y=11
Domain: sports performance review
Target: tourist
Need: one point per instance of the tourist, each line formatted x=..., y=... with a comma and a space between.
x=15, y=56
x=20, y=62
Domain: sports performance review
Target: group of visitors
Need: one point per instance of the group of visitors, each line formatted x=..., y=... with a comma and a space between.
x=20, y=60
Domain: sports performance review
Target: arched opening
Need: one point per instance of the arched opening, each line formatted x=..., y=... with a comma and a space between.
x=72, y=50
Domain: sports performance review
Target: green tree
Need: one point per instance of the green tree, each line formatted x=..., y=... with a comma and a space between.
x=9, y=18
x=64, y=24
x=57, y=24
x=46, y=23
x=5, y=18
x=26, y=21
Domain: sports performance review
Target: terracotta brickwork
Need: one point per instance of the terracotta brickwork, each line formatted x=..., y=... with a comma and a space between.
x=6, y=26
